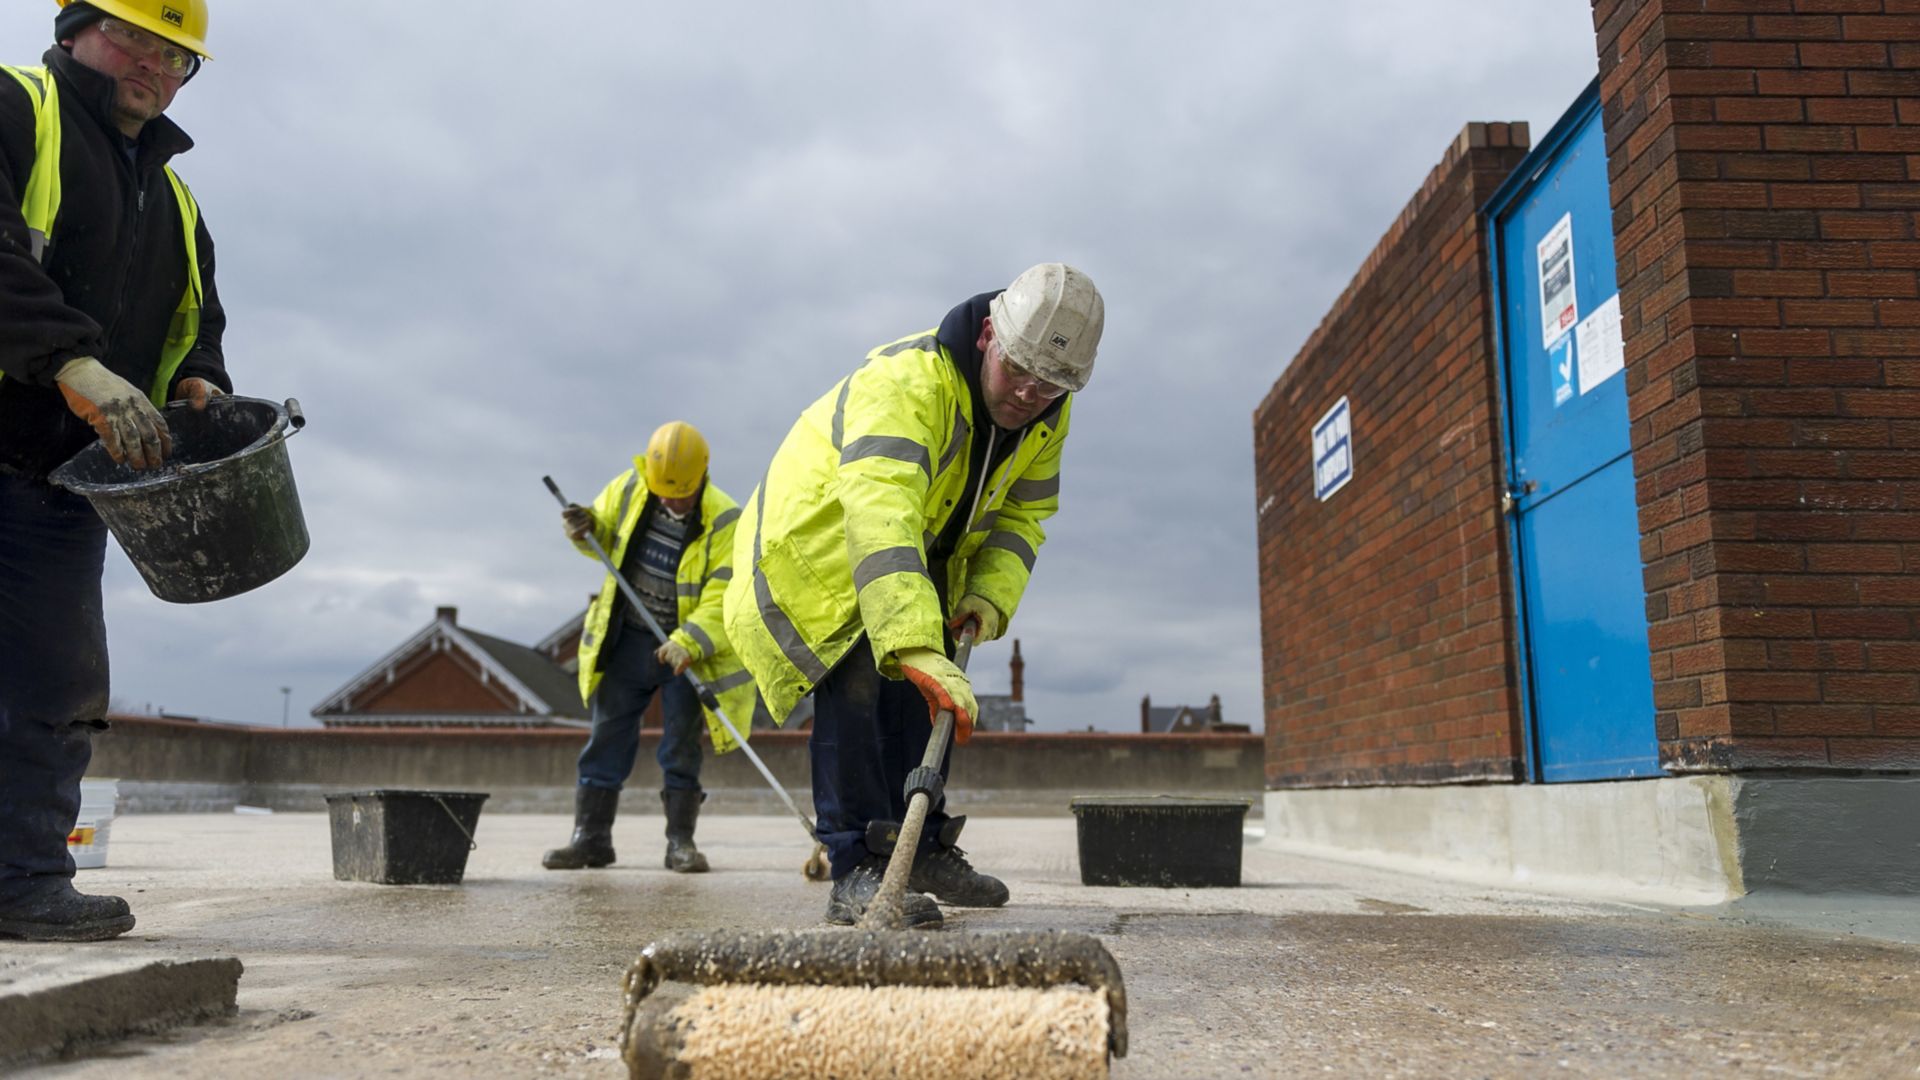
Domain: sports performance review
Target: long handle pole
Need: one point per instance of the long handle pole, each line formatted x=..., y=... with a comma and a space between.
x=707, y=696
x=884, y=913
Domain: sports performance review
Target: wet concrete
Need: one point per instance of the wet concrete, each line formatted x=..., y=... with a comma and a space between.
x=1310, y=967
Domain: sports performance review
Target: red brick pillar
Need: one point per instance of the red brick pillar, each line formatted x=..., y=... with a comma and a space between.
x=1763, y=156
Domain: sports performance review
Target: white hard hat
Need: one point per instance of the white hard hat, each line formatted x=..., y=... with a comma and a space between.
x=1048, y=323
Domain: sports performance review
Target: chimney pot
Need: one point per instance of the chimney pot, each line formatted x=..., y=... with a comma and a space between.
x=446, y=614
x=1019, y=667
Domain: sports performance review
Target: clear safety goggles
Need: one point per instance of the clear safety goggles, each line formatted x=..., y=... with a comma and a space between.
x=141, y=45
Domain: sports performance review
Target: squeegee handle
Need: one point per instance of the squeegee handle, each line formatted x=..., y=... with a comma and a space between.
x=883, y=912
x=707, y=696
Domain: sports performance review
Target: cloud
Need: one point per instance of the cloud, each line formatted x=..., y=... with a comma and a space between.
x=483, y=242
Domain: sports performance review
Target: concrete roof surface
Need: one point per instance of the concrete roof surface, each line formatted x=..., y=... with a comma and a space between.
x=1309, y=967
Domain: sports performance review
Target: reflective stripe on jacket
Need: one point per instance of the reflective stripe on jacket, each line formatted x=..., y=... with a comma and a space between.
x=836, y=535
x=706, y=565
x=40, y=206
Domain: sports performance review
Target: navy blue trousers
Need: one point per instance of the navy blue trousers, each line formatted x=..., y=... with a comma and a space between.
x=631, y=678
x=53, y=674
x=869, y=732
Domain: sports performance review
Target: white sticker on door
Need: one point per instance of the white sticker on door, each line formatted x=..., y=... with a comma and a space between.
x=1601, y=351
x=1558, y=308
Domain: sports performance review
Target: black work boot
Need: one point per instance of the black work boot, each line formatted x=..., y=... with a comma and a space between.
x=683, y=809
x=592, y=843
x=852, y=894
x=946, y=873
x=55, y=912
x=951, y=879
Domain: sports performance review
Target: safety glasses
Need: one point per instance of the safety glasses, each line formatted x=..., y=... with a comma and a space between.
x=141, y=45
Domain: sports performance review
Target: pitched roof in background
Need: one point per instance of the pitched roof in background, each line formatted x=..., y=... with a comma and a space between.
x=999, y=712
x=532, y=689
x=548, y=681
x=1162, y=718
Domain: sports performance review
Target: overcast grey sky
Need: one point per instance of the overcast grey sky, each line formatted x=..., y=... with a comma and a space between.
x=483, y=241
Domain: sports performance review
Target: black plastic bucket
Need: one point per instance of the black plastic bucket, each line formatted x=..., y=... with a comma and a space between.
x=220, y=517
x=403, y=837
x=1164, y=841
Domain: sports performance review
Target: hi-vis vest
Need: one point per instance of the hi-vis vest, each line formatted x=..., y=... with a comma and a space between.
x=41, y=207
x=706, y=565
x=833, y=544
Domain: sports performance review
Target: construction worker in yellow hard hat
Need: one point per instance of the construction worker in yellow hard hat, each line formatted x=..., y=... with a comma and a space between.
x=903, y=507
x=107, y=313
x=670, y=530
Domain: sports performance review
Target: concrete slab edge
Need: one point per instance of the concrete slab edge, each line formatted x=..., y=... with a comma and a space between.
x=59, y=1016
x=1667, y=841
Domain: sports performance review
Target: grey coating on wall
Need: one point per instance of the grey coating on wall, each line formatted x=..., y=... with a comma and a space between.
x=186, y=768
x=1829, y=835
x=52, y=1002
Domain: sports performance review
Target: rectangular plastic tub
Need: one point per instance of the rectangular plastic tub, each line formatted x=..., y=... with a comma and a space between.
x=1163, y=841
x=403, y=837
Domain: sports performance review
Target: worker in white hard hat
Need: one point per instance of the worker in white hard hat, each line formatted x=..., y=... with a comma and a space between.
x=670, y=530
x=107, y=313
x=904, y=506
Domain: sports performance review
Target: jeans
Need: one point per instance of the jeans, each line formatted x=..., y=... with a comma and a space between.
x=869, y=732
x=53, y=674
x=631, y=677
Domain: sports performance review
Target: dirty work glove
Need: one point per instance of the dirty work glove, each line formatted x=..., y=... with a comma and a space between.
x=988, y=626
x=128, y=425
x=196, y=392
x=944, y=685
x=674, y=655
x=579, y=522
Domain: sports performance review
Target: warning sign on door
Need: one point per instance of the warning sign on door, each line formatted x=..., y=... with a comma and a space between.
x=1558, y=309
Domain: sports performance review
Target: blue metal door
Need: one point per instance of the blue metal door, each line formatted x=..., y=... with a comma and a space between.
x=1572, y=513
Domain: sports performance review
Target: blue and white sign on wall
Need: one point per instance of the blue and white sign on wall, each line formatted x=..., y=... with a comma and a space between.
x=1332, y=451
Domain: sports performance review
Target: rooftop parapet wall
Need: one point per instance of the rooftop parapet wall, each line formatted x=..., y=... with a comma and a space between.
x=174, y=765
x=1763, y=158
x=1384, y=611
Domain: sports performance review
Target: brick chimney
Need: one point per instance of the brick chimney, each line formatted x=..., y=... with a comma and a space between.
x=1019, y=667
x=448, y=615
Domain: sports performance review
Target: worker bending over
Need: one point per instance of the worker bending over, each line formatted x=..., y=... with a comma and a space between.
x=904, y=505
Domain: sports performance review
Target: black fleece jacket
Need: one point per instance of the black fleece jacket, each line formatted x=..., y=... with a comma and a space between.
x=960, y=333
x=114, y=273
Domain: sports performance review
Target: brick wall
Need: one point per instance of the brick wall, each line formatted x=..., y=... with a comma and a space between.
x=1763, y=157
x=440, y=682
x=1385, y=611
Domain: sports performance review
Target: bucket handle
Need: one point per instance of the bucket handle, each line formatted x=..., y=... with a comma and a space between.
x=295, y=417
x=472, y=845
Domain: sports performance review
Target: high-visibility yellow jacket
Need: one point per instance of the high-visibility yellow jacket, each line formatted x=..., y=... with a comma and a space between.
x=835, y=538
x=706, y=565
x=40, y=207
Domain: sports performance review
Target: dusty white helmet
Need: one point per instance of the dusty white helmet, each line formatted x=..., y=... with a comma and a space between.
x=1049, y=321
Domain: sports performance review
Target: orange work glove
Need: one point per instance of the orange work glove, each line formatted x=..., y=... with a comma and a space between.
x=129, y=426
x=944, y=685
x=196, y=392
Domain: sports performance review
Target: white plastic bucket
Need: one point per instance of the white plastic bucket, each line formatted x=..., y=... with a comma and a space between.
x=87, y=843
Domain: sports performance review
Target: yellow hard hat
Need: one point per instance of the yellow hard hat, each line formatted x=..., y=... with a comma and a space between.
x=675, y=461
x=183, y=22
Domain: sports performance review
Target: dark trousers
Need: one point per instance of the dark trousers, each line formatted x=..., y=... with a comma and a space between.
x=869, y=732
x=53, y=674
x=631, y=677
